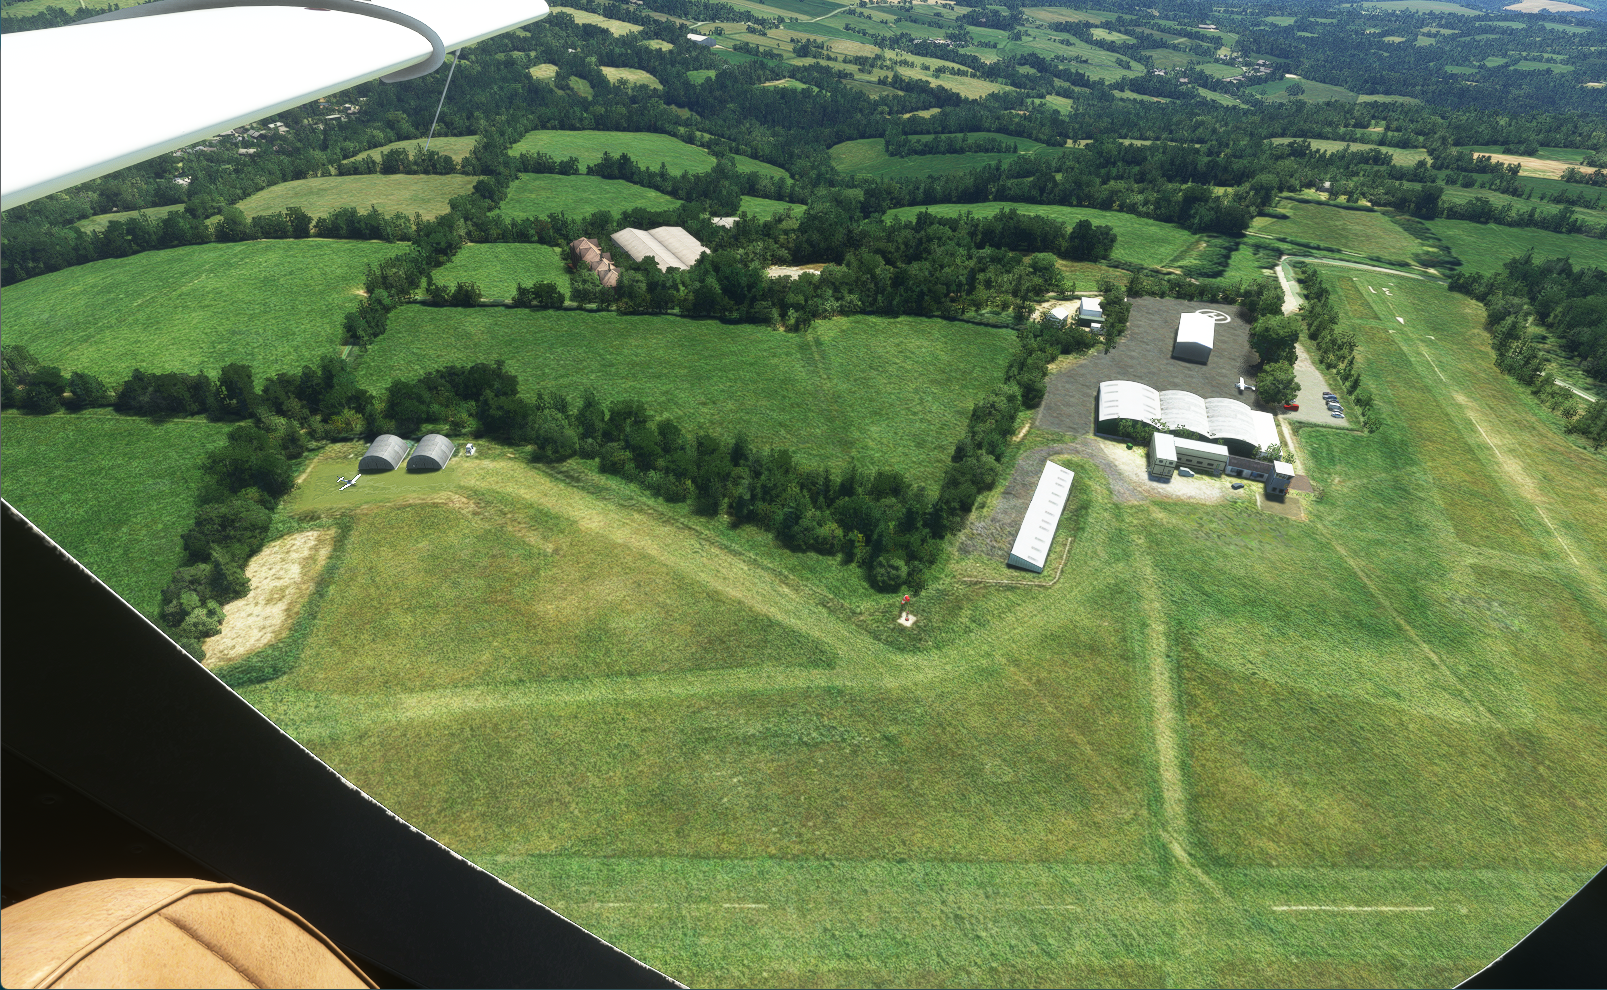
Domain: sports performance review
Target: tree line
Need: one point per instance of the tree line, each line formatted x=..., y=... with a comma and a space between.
x=1570, y=304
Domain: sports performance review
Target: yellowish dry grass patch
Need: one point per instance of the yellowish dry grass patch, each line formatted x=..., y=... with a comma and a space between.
x=282, y=577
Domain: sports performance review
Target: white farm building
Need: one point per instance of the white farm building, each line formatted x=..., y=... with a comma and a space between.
x=1196, y=335
x=671, y=247
x=1038, y=527
x=1090, y=310
x=1227, y=421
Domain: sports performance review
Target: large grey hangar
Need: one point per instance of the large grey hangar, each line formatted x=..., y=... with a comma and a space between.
x=431, y=454
x=384, y=454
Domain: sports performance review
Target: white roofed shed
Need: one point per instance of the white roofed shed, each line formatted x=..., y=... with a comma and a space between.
x=1196, y=335
x=1038, y=527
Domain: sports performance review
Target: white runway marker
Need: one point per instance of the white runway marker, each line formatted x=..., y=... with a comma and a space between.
x=1400, y=321
x=1344, y=907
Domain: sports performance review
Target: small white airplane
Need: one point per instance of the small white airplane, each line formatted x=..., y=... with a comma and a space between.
x=1243, y=386
x=350, y=483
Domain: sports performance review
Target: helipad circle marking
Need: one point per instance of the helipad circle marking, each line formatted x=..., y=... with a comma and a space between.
x=1216, y=315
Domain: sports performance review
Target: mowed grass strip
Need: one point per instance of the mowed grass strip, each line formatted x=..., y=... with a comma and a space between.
x=888, y=393
x=406, y=194
x=499, y=269
x=114, y=491
x=1348, y=230
x=274, y=305
x=1333, y=748
x=579, y=195
x=645, y=148
x=1034, y=924
x=1146, y=242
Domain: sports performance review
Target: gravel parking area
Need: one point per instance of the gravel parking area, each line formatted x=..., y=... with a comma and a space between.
x=1145, y=355
x=1312, y=386
x=1124, y=471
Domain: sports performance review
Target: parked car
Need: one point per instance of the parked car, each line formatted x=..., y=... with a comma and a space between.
x=1292, y=406
x=1237, y=485
x=1185, y=472
x=1337, y=415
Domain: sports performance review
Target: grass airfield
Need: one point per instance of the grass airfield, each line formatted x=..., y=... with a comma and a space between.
x=1359, y=752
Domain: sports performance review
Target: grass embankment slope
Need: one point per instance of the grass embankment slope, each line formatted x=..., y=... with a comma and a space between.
x=893, y=393
x=645, y=148
x=1146, y=242
x=405, y=194
x=579, y=196
x=274, y=305
x=1393, y=705
x=115, y=492
x=500, y=268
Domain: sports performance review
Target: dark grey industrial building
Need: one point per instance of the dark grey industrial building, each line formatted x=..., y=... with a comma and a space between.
x=431, y=454
x=384, y=454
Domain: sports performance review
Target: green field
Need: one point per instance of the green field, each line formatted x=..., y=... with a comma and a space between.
x=405, y=194
x=1316, y=92
x=114, y=491
x=764, y=209
x=1347, y=230
x=1146, y=242
x=99, y=221
x=454, y=147
x=586, y=17
x=1162, y=770
x=869, y=156
x=630, y=77
x=643, y=147
x=1402, y=156
x=1486, y=247
x=579, y=196
x=499, y=268
x=896, y=390
x=274, y=305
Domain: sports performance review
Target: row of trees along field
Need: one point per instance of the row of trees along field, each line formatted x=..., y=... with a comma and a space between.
x=1570, y=305
x=874, y=518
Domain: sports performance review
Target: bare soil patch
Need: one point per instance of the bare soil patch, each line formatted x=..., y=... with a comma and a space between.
x=282, y=577
x=777, y=271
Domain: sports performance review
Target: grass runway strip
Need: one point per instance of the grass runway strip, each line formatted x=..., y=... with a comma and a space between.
x=1301, y=907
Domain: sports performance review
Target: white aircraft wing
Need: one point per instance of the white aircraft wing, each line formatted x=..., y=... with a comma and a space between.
x=78, y=102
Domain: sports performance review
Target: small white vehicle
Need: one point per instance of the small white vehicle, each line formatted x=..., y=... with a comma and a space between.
x=1185, y=472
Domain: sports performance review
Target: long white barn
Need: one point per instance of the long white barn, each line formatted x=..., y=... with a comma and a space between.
x=671, y=247
x=1037, y=533
x=1219, y=419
